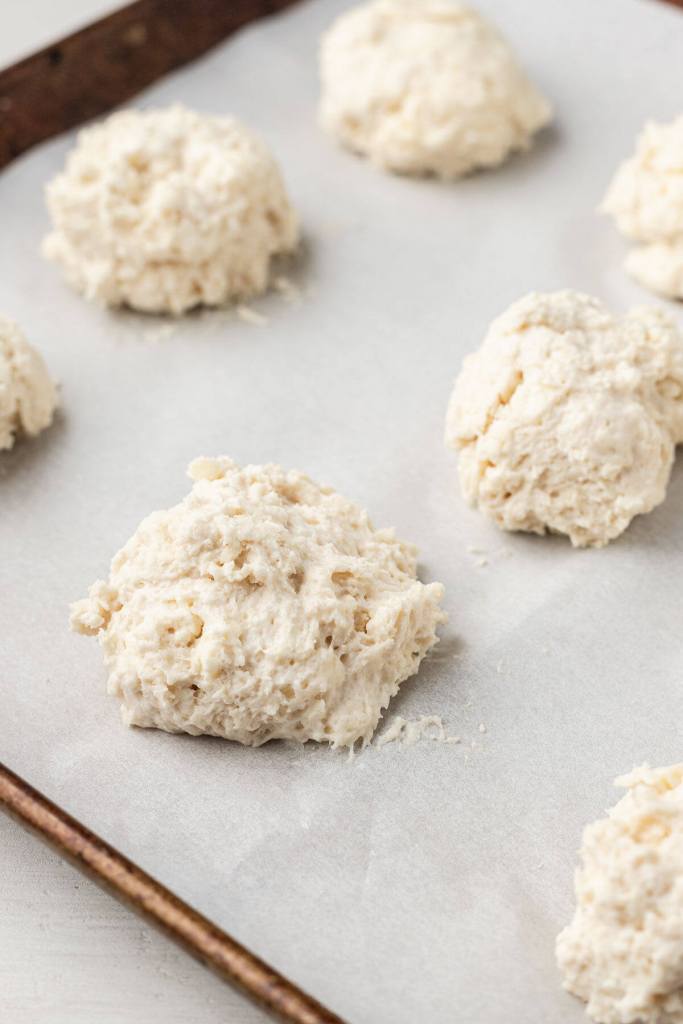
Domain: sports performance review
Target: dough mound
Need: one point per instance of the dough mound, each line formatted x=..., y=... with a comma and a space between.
x=567, y=417
x=261, y=607
x=425, y=87
x=28, y=398
x=164, y=210
x=623, y=951
x=646, y=200
x=658, y=267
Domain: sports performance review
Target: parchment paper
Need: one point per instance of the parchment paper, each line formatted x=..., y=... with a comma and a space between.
x=409, y=884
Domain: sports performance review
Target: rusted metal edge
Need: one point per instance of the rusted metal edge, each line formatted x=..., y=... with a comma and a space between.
x=107, y=62
x=160, y=907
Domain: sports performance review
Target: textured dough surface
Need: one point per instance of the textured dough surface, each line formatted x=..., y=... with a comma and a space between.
x=28, y=398
x=263, y=606
x=164, y=210
x=425, y=86
x=645, y=198
x=566, y=418
x=658, y=267
x=623, y=951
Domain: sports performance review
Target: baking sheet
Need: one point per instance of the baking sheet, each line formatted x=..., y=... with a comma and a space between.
x=422, y=883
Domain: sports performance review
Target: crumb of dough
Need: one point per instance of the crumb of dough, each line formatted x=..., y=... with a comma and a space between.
x=645, y=198
x=154, y=335
x=425, y=87
x=408, y=732
x=165, y=210
x=566, y=418
x=623, y=951
x=288, y=290
x=251, y=316
x=485, y=557
x=28, y=397
x=263, y=606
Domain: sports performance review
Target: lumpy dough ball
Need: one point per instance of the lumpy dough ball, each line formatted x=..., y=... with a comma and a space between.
x=645, y=199
x=425, y=87
x=566, y=418
x=623, y=951
x=261, y=607
x=28, y=398
x=164, y=210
